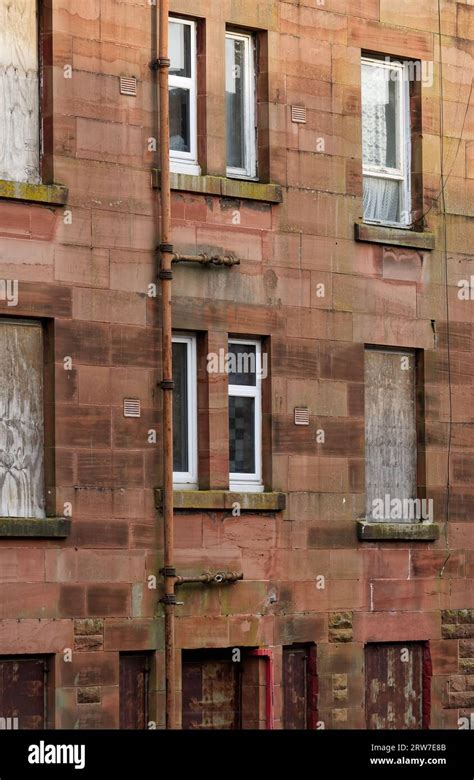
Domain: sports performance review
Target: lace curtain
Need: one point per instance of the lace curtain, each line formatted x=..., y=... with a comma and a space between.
x=381, y=199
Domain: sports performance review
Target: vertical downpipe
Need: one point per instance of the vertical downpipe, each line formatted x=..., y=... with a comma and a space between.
x=166, y=254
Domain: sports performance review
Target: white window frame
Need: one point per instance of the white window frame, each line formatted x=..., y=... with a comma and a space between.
x=250, y=131
x=251, y=483
x=187, y=162
x=188, y=480
x=403, y=172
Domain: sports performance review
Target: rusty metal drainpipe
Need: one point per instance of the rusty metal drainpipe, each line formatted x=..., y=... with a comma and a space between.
x=209, y=578
x=205, y=259
x=166, y=275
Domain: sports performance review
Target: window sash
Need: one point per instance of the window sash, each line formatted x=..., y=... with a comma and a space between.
x=401, y=173
x=250, y=153
x=189, y=479
x=251, y=482
x=187, y=162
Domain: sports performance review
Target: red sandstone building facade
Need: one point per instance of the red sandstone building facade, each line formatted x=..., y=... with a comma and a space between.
x=323, y=420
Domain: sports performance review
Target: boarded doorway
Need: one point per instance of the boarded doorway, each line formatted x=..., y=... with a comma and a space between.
x=397, y=685
x=212, y=691
x=23, y=692
x=134, y=676
x=299, y=687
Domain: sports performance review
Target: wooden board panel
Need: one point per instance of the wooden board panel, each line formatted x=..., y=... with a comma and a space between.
x=295, y=686
x=133, y=690
x=21, y=420
x=19, y=91
x=299, y=687
x=394, y=686
x=22, y=692
x=390, y=427
x=211, y=694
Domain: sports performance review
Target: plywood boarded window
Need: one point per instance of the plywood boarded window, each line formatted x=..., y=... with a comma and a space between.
x=23, y=692
x=396, y=686
x=19, y=91
x=21, y=420
x=390, y=434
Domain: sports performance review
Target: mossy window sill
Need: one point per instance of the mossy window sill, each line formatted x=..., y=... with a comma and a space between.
x=225, y=499
x=390, y=236
x=47, y=194
x=221, y=186
x=385, y=532
x=34, y=527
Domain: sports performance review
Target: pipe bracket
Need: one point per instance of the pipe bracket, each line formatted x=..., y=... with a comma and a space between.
x=166, y=248
x=168, y=571
x=165, y=273
x=169, y=599
x=167, y=384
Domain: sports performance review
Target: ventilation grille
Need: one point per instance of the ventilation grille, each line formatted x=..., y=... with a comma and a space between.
x=131, y=407
x=301, y=416
x=298, y=114
x=128, y=85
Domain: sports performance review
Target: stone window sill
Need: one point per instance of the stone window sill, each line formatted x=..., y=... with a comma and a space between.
x=46, y=527
x=380, y=234
x=240, y=189
x=47, y=194
x=224, y=499
x=385, y=532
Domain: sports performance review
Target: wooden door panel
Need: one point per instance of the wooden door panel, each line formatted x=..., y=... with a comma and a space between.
x=394, y=686
x=211, y=694
x=133, y=690
x=22, y=691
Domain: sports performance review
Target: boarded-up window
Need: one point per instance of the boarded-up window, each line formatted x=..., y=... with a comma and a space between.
x=394, y=686
x=23, y=692
x=390, y=435
x=134, y=675
x=19, y=91
x=21, y=420
x=299, y=687
x=212, y=691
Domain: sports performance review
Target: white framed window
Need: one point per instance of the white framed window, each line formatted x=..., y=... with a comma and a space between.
x=183, y=96
x=245, y=414
x=240, y=105
x=386, y=148
x=185, y=452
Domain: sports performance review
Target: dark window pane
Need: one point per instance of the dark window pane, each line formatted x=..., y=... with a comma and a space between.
x=242, y=364
x=180, y=49
x=235, y=100
x=180, y=408
x=242, y=435
x=391, y=159
x=179, y=120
